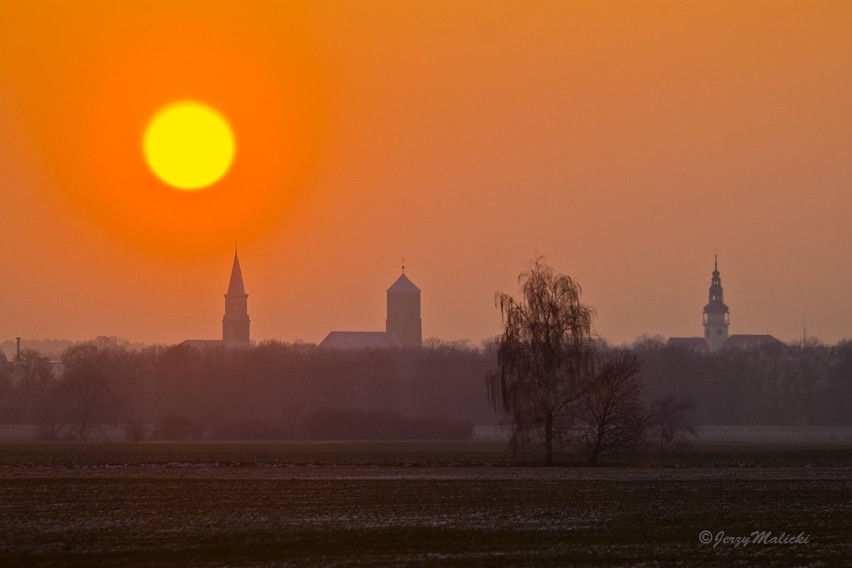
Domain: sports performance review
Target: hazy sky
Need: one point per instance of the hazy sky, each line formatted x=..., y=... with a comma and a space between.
x=625, y=141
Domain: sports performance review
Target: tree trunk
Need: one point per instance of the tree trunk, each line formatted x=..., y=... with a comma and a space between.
x=593, y=458
x=548, y=440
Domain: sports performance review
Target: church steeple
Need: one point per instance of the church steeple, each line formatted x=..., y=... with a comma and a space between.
x=235, y=323
x=716, y=313
x=236, y=285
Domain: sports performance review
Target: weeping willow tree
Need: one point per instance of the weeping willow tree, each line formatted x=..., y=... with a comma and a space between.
x=545, y=355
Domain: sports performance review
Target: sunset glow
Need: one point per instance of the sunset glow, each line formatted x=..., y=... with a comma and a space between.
x=189, y=145
x=318, y=282
x=614, y=138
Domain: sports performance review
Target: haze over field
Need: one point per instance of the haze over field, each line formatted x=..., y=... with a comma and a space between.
x=626, y=141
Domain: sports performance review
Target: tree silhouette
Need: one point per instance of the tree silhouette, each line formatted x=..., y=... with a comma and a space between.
x=610, y=410
x=85, y=391
x=545, y=356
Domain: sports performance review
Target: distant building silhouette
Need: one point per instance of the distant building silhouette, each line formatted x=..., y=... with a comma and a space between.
x=403, y=326
x=360, y=340
x=716, y=313
x=716, y=321
x=404, y=312
x=235, y=322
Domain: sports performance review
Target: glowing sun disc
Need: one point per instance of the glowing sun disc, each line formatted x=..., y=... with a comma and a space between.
x=189, y=145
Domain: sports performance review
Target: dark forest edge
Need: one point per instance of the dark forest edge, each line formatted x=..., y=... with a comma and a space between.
x=106, y=381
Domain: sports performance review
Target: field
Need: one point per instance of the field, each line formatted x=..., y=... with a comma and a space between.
x=417, y=504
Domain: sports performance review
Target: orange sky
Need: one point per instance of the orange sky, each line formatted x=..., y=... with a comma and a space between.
x=625, y=141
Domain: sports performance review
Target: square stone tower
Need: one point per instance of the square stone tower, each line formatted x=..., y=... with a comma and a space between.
x=404, y=312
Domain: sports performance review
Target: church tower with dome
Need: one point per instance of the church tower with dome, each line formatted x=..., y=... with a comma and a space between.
x=716, y=313
x=716, y=322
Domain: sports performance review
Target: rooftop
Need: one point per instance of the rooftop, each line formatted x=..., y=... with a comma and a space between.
x=360, y=340
x=403, y=284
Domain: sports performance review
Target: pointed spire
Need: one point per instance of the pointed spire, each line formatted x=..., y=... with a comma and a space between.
x=715, y=296
x=236, y=287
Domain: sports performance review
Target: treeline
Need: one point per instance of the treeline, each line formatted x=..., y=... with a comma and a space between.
x=297, y=391
x=274, y=391
x=806, y=384
x=47, y=347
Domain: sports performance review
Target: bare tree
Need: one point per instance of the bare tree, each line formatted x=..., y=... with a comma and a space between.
x=545, y=355
x=34, y=381
x=87, y=399
x=8, y=400
x=85, y=391
x=611, y=411
x=671, y=422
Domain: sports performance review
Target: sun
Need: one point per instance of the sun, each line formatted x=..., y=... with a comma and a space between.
x=189, y=145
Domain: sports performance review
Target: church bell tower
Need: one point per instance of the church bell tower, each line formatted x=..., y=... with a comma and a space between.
x=235, y=323
x=716, y=313
x=404, y=312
